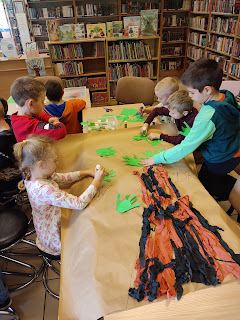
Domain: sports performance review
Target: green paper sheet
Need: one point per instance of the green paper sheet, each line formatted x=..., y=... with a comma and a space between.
x=129, y=112
x=10, y=100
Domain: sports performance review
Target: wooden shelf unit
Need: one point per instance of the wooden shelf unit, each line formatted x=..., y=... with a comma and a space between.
x=88, y=70
x=213, y=32
x=120, y=64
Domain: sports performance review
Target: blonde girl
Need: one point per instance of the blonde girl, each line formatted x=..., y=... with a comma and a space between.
x=38, y=161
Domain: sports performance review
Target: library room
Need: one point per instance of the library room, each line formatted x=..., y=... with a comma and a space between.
x=120, y=159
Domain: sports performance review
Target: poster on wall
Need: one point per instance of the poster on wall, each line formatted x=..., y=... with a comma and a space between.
x=35, y=67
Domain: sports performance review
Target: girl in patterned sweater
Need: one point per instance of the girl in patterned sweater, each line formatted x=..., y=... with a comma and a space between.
x=38, y=161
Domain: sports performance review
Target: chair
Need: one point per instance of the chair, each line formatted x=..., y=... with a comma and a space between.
x=14, y=228
x=135, y=90
x=9, y=314
x=48, y=263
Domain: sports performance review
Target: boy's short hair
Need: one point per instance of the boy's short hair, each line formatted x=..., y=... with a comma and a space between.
x=202, y=73
x=25, y=88
x=167, y=84
x=180, y=101
x=4, y=107
x=54, y=90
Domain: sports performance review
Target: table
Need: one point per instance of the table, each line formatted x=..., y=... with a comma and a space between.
x=12, y=105
x=100, y=246
x=94, y=113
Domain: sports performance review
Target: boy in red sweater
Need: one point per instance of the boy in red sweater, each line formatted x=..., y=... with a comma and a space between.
x=180, y=107
x=69, y=112
x=29, y=94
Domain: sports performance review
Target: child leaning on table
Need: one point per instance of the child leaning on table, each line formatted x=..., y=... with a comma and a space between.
x=179, y=107
x=216, y=130
x=163, y=89
x=67, y=111
x=38, y=161
x=29, y=94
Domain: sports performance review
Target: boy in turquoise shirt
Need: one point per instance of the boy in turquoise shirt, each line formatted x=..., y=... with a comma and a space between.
x=216, y=130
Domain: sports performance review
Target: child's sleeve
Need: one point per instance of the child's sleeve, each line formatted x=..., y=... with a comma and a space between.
x=202, y=130
x=53, y=195
x=63, y=178
x=53, y=131
x=78, y=104
x=43, y=117
x=172, y=139
x=157, y=112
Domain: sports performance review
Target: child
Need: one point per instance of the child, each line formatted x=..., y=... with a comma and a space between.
x=179, y=107
x=37, y=160
x=163, y=90
x=29, y=94
x=216, y=130
x=67, y=111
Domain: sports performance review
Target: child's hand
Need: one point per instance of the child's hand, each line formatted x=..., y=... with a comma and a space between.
x=146, y=125
x=147, y=162
x=154, y=136
x=53, y=120
x=99, y=175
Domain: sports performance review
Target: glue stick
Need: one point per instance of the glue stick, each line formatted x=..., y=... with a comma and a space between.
x=125, y=124
x=141, y=108
x=144, y=131
x=97, y=166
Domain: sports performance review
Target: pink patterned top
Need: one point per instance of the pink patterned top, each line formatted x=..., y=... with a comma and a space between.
x=46, y=199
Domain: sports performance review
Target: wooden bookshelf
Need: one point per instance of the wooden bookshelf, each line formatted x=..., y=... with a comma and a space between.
x=141, y=60
x=81, y=63
x=222, y=33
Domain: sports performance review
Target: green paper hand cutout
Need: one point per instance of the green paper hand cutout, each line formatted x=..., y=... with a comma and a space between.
x=185, y=130
x=153, y=143
x=132, y=161
x=106, y=152
x=127, y=204
x=111, y=174
x=150, y=153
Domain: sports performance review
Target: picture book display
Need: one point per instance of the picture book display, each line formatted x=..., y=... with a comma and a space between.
x=117, y=29
x=35, y=67
x=31, y=50
x=109, y=29
x=149, y=22
x=66, y=32
x=8, y=48
x=74, y=93
x=97, y=30
x=129, y=22
x=78, y=31
x=53, y=31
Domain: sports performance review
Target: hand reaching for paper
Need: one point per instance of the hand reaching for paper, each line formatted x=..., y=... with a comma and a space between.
x=147, y=162
x=127, y=204
x=154, y=136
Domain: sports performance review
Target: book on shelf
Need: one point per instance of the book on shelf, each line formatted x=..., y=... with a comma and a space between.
x=173, y=36
x=176, y=4
x=149, y=22
x=89, y=9
x=167, y=65
x=223, y=6
x=78, y=31
x=223, y=25
x=109, y=29
x=132, y=31
x=194, y=52
x=198, y=23
x=236, y=52
x=31, y=50
x=97, y=83
x=117, y=71
x=97, y=30
x=53, y=31
x=117, y=29
x=39, y=30
x=172, y=51
x=68, y=51
x=51, y=12
x=100, y=97
x=235, y=70
x=221, y=44
x=131, y=21
x=201, y=6
x=66, y=32
x=175, y=21
x=68, y=68
x=197, y=38
x=42, y=45
x=134, y=7
x=129, y=50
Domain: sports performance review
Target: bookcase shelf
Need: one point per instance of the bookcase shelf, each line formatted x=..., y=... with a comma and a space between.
x=221, y=35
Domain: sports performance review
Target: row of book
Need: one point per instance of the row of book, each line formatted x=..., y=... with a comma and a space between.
x=69, y=51
x=223, y=25
x=198, y=23
x=197, y=38
x=175, y=21
x=235, y=70
x=134, y=7
x=92, y=83
x=68, y=68
x=113, y=89
x=172, y=51
x=224, y=62
x=170, y=65
x=236, y=52
x=42, y=45
x=51, y=12
x=201, y=6
x=129, y=50
x=98, y=9
x=176, y=4
x=220, y=44
x=100, y=97
x=40, y=29
x=195, y=53
x=173, y=36
x=117, y=71
x=227, y=6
